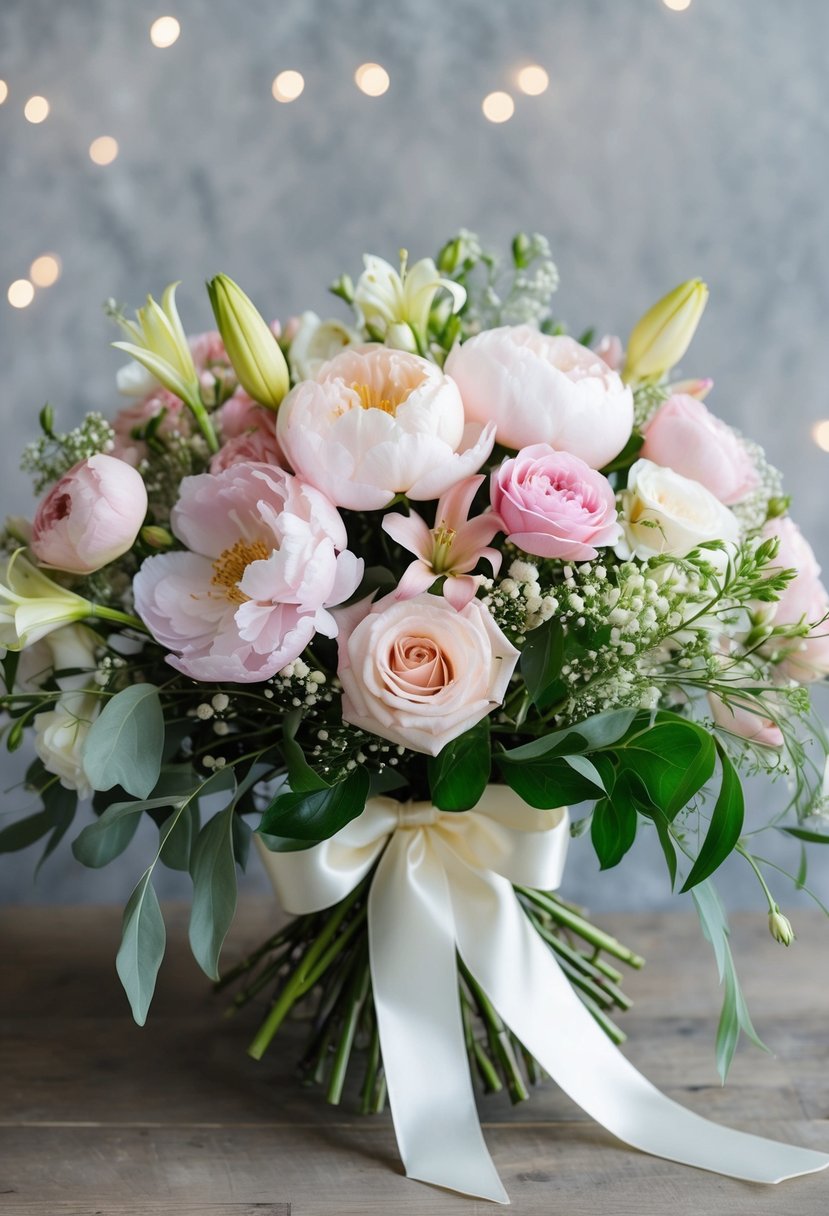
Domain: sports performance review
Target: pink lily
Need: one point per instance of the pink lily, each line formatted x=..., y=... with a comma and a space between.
x=451, y=549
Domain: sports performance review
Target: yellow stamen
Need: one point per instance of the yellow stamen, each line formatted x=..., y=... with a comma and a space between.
x=370, y=399
x=230, y=566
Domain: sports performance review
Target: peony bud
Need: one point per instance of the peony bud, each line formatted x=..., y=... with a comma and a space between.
x=91, y=516
x=661, y=337
x=157, y=538
x=780, y=927
x=250, y=343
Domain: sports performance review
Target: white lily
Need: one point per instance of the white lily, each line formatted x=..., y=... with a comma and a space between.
x=385, y=298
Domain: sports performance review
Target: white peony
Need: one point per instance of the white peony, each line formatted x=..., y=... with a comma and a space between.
x=663, y=512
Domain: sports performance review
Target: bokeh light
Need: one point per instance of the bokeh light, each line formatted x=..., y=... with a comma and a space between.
x=20, y=293
x=288, y=85
x=498, y=107
x=164, y=31
x=36, y=109
x=820, y=434
x=372, y=79
x=45, y=270
x=4, y=91
x=533, y=80
x=677, y=6
x=103, y=150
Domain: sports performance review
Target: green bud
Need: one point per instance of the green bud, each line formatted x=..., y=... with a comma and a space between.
x=521, y=246
x=155, y=537
x=450, y=255
x=251, y=346
x=661, y=337
x=780, y=927
x=344, y=288
x=778, y=506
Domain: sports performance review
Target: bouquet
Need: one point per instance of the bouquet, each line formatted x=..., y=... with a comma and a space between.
x=388, y=595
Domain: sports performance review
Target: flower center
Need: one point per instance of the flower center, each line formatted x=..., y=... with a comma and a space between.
x=231, y=564
x=444, y=538
x=374, y=399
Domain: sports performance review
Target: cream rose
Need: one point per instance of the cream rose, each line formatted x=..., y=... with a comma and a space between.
x=420, y=673
x=663, y=512
x=61, y=732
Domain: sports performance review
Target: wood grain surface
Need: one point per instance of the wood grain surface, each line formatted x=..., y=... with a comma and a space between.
x=99, y=1116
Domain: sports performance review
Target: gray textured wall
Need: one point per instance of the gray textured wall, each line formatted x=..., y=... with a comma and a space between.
x=669, y=144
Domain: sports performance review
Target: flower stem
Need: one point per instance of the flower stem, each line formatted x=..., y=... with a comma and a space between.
x=571, y=920
x=101, y=612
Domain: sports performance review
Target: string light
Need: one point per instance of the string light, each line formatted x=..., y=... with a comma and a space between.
x=677, y=6
x=533, y=80
x=4, y=91
x=371, y=79
x=45, y=270
x=498, y=107
x=103, y=150
x=820, y=434
x=36, y=109
x=20, y=293
x=288, y=85
x=164, y=31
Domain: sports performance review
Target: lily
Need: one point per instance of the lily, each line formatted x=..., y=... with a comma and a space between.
x=395, y=306
x=450, y=549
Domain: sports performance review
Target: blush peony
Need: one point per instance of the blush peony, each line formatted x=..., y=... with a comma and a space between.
x=542, y=389
x=378, y=422
x=266, y=559
x=552, y=504
x=420, y=673
x=685, y=436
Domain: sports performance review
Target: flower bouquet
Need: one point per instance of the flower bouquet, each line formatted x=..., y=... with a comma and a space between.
x=388, y=596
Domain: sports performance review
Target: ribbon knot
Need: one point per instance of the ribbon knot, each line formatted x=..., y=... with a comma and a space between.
x=447, y=890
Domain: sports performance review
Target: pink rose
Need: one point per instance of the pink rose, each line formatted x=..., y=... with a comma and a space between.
x=420, y=673
x=741, y=719
x=266, y=558
x=90, y=517
x=685, y=436
x=248, y=433
x=552, y=504
x=805, y=599
x=542, y=389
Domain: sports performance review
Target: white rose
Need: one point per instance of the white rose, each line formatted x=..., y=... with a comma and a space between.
x=315, y=342
x=420, y=673
x=60, y=733
x=663, y=512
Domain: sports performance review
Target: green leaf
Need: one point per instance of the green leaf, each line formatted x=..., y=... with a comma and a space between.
x=125, y=744
x=734, y=1016
x=23, y=832
x=590, y=772
x=663, y=831
x=178, y=842
x=61, y=805
x=627, y=455
x=459, y=774
x=552, y=781
x=592, y=734
x=317, y=814
x=673, y=760
x=142, y=947
x=725, y=826
x=809, y=837
x=105, y=839
x=242, y=833
x=541, y=660
x=613, y=827
x=301, y=776
x=214, y=890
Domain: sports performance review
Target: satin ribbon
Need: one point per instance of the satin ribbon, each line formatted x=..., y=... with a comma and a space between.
x=444, y=884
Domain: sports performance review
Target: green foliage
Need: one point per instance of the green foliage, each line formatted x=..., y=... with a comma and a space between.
x=125, y=744
x=734, y=1017
x=459, y=774
x=143, y=938
x=214, y=890
x=302, y=819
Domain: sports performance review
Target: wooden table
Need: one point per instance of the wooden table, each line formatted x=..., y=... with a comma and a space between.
x=97, y=1116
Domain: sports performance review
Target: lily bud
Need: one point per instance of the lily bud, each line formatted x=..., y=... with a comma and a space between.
x=32, y=605
x=780, y=927
x=661, y=337
x=699, y=388
x=251, y=346
x=400, y=337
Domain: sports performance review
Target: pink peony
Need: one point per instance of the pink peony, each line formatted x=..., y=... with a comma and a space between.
x=420, y=673
x=451, y=549
x=90, y=517
x=741, y=719
x=248, y=433
x=266, y=559
x=805, y=599
x=134, y=418
x=542, y=389
x=685, y=436
x=378, y=422
x=552, y=504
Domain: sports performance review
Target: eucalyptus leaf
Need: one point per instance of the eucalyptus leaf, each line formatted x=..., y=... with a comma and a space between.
x=214, y=890
x=178, y=842
x=142, y=947
x=23, y=832
x=61, y=805
x=125, y=743
x=102, y=841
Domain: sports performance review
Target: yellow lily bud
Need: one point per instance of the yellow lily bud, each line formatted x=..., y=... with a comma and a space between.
x=661, y=337
x=251, y=346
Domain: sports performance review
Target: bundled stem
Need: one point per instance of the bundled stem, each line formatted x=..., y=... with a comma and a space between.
x=320, y=962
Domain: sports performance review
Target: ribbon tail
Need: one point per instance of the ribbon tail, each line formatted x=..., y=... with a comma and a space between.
x=535, y=999
x=415, y=987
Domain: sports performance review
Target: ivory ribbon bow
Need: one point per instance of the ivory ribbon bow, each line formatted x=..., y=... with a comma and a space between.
x=444, y=884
